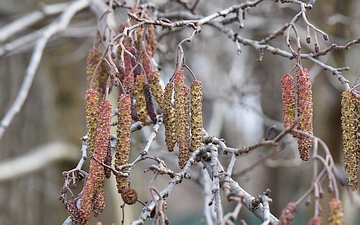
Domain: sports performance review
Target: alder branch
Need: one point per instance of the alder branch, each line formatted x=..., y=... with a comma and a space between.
x=235, y=190
x=53, y=28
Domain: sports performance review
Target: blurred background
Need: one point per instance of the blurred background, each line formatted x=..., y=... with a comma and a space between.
x=242, y=98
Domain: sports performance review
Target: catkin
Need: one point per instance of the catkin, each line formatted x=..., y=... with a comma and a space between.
x=196, y=115
x=91, y=110
x=288, y=100
x=155, y=87
x=184, y=144
x=169, y=117
x=140, y=104
x=96, y=177
x=97, y=79
x=335, y=212
x=305, y=112
x=123, y=140
x=288, y=214
x=92, y=59
x=349, y=125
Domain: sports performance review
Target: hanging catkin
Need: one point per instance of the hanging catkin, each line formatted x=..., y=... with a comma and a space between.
x=305, y=112
x=123, y=140
x=196, y=114
x=349, y=125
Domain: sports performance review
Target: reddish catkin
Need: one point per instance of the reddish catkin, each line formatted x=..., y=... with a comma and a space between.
x=97, y=75
x=288, y=214
x=92, y=113
x=96, y=177
x=74, y=212
x=349, y=125
x=288, y=100
x=196, y=115
x=140, y=104
x=149, y=103
x=92, y=59
x=315, y=221
x=123, y=140
x=169, y=117
x=335, y=212
x=155, y=87
x=305, y=112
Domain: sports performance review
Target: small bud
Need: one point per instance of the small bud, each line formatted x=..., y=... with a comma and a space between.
x=317, y=48
x=326, y=37
x=308, y=40
x=113, y=55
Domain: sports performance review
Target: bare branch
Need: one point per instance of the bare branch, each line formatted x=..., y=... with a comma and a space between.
x=52, y=29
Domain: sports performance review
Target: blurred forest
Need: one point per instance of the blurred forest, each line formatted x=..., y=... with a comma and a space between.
x=242, y=98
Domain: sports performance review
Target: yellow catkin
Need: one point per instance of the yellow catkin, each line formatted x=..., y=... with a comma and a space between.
x=169, y=117
x=196, y=114
x=155, y=87
x=96, y=177
x=91, y=110
x=335, y=212
x=179, y=105
x=184, y=144
x=288, y=100
x=140, y=104
x=349, y=125
x=305, y=112
x=123, y=141
x=288, y=214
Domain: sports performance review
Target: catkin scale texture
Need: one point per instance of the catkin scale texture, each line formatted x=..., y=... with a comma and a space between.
x=196, y=114
x=169, y=117
x=123, y=140
x=335, y=212
x=288, y=100
x=305, y=112
x=288, y=214
x=95, y=181
x=349, y=125
x=92, y=113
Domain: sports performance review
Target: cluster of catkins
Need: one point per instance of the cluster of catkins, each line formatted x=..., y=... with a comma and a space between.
x=335, y=214
x=139, y=89
x=297, y=103
x=182, y=116
x=350, y=109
